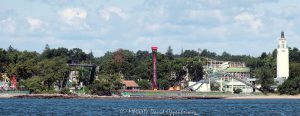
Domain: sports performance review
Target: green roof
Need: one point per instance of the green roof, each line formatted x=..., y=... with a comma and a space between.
x=238, y=69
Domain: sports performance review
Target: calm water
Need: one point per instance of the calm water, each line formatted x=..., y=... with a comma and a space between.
x=148, y=107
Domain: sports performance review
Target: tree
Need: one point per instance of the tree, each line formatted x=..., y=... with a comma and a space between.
x=84, y=76
x=142, y=55
x=294, y=70
x=24, y=70
x=141, y=71
x=77, y=54
x=190, y=53
x=90, y=56
x=163, y=84
x=10, y=49
x=225, y=56
x=265, y=78
x=169, y=53
x=144, y=84
x=47, y=52
x=206, y=53
x=263, y=55
x=34, y=85
x=105, y=84
x=53, y=71
x=3, y=60
x=123, y=62
x=265, y=72
x=292, y=85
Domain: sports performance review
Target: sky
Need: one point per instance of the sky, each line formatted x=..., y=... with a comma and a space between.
x=239, y=27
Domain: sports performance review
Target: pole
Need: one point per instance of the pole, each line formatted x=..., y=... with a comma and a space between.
x=232, y=84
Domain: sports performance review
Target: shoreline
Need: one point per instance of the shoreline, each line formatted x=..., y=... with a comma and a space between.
x=229, y=97
x=264, y=97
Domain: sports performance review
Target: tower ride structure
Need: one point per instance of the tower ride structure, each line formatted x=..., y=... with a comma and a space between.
x=154, y=80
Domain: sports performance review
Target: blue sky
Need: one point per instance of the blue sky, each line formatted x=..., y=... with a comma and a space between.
x=237, y=26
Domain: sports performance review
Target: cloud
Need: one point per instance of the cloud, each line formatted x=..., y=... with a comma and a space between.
x=249, y=19
x=209, y=17
x=8, y=25
x=35, y=24
x=73, y=16
x=153, y=27
x=105, y=25
x=217, y=14
x=143, y=40
x=109, y=12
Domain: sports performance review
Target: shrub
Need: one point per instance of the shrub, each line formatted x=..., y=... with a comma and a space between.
x=237, y=90
x=65, y=91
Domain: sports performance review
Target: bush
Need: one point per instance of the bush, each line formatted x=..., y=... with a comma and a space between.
x=215, y=86
x=65, y=91
x=100, y=88
x=163, y=84
x=291, y=86
x=237, y=91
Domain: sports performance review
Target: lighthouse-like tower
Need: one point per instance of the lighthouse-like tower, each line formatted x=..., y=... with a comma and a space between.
x=282, y=59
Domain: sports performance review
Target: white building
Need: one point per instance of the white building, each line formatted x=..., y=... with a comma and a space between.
x=282, y=60
x=200, y=87
x=228, y=74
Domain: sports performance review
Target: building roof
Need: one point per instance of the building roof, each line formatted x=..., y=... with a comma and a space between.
x=130, y=83
x=244, y=69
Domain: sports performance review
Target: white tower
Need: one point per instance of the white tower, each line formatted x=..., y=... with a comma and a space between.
x=282, y=60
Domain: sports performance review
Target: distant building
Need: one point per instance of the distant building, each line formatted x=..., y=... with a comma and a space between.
x=230, y=75
x=282, y=60
x=130, y=85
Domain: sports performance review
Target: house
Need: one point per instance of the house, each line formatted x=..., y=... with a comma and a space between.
x=130, y=85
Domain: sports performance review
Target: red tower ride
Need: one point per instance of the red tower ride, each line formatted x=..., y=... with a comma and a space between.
x=154, y=81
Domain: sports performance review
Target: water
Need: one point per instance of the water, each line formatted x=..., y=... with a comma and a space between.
x=148, y=107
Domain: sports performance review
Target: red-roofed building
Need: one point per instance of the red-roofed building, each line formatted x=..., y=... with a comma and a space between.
x=130, y=85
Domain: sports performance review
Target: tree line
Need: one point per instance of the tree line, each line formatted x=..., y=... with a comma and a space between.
x=40, y=72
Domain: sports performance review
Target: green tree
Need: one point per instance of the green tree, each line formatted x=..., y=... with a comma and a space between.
x=265, y=78
x=265, y=72
x=144, y=84
x=53, y=71
x=292, y=84
x=169, y=53
x=47, y=52
x=105, y=84
x=208, y=54
x=24, y=70
x=3, y=60
x=163, y=84
x=34, y=85
x=190, y=53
